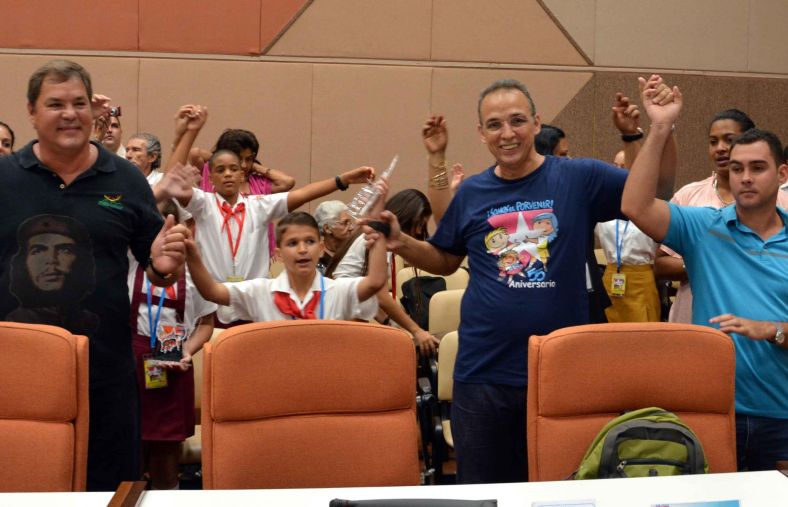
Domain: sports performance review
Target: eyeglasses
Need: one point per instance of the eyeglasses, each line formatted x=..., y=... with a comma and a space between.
x=344, y=224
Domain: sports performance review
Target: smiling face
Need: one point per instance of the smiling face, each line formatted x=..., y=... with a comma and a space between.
x=61, y=116
x=300, y=249
x=226, y=175
x=49, y=260
x=721, y=134
x=508, y=128
x=754, y=176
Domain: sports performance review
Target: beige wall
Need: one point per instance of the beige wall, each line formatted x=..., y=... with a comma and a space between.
x=333, y=84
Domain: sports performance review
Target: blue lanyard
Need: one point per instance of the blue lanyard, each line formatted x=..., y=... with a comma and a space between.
x=154, y=324
x=322, y=295
x=620, y=245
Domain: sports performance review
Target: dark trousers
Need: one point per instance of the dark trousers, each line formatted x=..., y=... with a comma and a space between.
x=488, y=427
x=114, y=444
x=760, y=442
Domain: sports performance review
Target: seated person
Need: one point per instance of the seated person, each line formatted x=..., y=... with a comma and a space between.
x=335, y=227
x=413, y=211
x=300, y=291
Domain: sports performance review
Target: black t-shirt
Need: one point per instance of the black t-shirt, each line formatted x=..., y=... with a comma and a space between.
x=63, y=250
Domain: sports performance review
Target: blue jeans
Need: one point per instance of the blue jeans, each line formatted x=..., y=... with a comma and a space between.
x=488, y=427
x=760, y=442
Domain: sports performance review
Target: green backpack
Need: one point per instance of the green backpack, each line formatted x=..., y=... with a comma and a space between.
x=643, y=443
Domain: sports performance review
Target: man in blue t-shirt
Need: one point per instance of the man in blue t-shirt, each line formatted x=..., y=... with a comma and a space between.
x=737, y=262
x=523, y=223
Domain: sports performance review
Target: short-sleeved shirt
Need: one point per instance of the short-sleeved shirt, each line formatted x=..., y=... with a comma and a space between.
x=732, y=270
x=71, y=267
x=254, y=300
x=251, y=259
x=526, y=242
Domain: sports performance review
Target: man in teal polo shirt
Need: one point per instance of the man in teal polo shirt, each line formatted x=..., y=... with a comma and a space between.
x=737, y=261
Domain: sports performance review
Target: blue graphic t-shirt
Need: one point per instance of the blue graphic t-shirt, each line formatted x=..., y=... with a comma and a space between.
x=526, y=243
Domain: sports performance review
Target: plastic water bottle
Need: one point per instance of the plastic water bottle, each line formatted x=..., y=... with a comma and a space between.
x=363, y=201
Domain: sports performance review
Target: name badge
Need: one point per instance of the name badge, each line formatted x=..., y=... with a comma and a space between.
x=155, y=373
x=235, y=278
x=618, y=285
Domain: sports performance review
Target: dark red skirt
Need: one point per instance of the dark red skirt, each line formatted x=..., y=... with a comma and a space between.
x=168, y=412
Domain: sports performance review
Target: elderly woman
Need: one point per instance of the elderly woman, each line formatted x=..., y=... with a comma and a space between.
x=335, y=227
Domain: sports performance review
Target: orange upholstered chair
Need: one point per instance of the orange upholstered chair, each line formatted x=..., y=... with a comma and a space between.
x=295, y=404
x=43, y=408
x=579, y=378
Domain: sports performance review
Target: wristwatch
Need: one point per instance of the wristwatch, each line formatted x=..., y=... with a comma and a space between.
x=779, y=336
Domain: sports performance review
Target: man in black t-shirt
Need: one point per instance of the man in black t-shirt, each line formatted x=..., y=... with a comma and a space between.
x=74, y=210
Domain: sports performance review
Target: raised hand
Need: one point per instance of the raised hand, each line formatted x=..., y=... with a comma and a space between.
x=358, y=175
x=626, y=115
x=178, y=182
x=182, y=119
x=197, y=117
x=434, y=134
x=168, y=251
x=662, y=104
x=99, y=105
x=457, y=175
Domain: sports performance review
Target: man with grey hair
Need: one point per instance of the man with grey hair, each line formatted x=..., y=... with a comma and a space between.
x=144, y=151
x=84, y=206
x=524, y=224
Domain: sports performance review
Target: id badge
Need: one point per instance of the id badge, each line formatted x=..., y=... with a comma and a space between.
x=235, y=278
x=155, y=374
x=171, y=338
x=618, y=285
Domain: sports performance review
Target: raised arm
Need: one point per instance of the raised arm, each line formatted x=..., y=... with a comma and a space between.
x=436, y=137
x=280, y=181
x=421, y=254
x=189, y=120
x=303, y=195
x=209, y=289
x=626, y=118
x=639, y=201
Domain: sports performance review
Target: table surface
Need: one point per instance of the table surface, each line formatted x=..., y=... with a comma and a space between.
x=753, y=489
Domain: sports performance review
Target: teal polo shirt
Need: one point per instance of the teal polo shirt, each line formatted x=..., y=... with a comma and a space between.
x=732, y=270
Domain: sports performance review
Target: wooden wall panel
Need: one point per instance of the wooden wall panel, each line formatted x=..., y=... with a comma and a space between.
x=516, y=31
x=273, y=100
x=208, y=27
x=672, y=34
x=275, y=16
x=69, y=24
x=578, y=18
x=767, y=36
x=360, y=28
x=364, y=115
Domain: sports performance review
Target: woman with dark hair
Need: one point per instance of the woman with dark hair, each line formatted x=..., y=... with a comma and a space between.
x=413, y=211
x=260, y=180
x=714, y=191
x=6, y=139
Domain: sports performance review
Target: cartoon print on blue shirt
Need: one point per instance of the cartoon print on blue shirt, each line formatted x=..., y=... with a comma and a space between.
x=519, y=242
